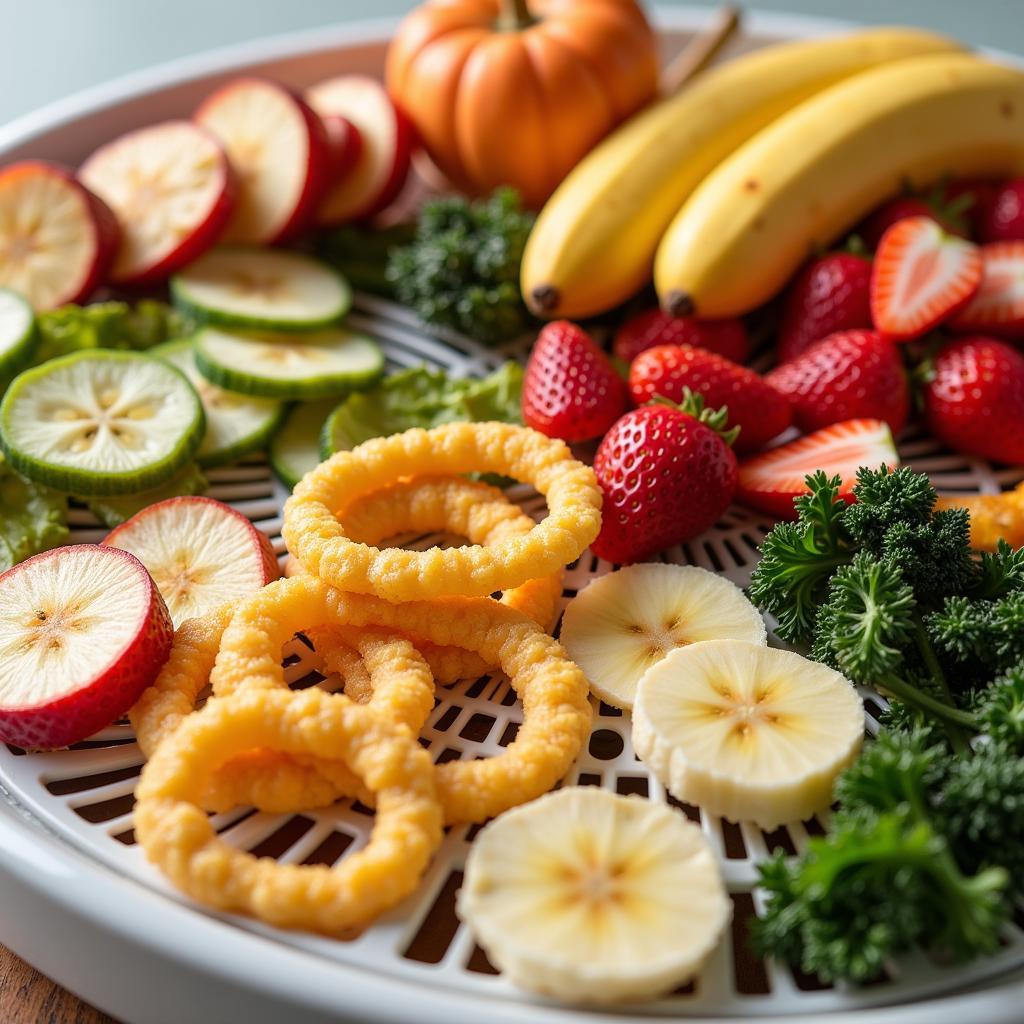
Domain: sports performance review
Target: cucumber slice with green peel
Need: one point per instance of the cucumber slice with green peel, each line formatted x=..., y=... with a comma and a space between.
x=236, y=425
x=295, y=448
x=101, y=422
x=264, y=289
x=18, y=335
x=328, y=363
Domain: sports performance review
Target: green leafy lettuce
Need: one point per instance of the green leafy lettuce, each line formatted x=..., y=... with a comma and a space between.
x=114, y=510
x=32, y=518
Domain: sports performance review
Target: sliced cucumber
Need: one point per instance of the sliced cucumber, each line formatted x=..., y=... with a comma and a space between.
x=236, y=425
x=101, y=422
x=295, y=449
x=18, y=335
x=331, y=362
x=265, y=289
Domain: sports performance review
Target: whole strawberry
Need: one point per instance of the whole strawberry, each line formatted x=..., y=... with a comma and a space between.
x=1002, y=218
x=949, y=204
x=757, y=409
x=667, y=473
x=571, y=390
x=830, y=294
x=847, y=376
x=974, y=399
x=655, y=327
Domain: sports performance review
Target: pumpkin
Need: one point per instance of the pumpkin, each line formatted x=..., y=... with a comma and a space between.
x=516, y=92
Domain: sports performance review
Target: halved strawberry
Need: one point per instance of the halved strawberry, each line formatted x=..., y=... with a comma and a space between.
x=921, y=276
x=279, y=149
x=57, y=239
x=998, y=307
x=172, y=191
x=83, y=631
x=770, y=481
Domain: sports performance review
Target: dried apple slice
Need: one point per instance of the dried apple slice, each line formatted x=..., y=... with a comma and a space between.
x=171, y=188
x=201, y=553
x=83, y=631
x=57, y=239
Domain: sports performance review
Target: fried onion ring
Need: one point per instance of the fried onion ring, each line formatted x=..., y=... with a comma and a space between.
x=322, y=544
x=553, y=690
x=177, y=835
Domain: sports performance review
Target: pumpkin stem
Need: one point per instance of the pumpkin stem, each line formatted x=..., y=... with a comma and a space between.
x=515, y=15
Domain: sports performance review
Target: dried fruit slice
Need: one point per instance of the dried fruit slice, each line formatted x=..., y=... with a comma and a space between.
x=746, y=731
x=57, y=239
x=83, y=631
x=624, y=622
x=201, y=552
x=171, y=189
x=100, y=422
x=592, y=897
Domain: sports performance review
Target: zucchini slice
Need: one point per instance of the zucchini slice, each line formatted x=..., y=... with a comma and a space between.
x=295, y=449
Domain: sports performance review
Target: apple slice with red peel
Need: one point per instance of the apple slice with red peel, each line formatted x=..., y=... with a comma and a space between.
x=172, y=190
x=83, y=631
x=344, y=143
x=201, y=553
x=279, y=150
x=57, y=239
x=387, y=135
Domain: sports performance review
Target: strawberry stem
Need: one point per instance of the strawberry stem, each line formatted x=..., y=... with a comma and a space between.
x=693, y=405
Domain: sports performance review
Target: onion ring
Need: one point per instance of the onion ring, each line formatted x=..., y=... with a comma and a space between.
x=480, y=513
x=320, y=541
x=554, y=692
x=177, y=836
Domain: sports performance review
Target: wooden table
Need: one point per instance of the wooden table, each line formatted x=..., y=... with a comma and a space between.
x=28, y=997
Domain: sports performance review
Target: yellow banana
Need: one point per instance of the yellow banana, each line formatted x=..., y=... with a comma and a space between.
x=813, y=173
x=594, y=242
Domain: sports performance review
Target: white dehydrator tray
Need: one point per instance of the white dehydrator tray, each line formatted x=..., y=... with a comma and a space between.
x=78, y=900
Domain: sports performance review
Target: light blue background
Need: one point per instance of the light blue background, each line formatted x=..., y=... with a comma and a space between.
x=50, y=48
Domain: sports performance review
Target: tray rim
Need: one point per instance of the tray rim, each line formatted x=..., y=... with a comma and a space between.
x=48, y=877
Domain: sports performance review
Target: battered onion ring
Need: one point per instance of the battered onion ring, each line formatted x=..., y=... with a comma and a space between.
x=556, y=709
x=476, y=511
x=388, y=668
x=177, y=836
x=321, y=543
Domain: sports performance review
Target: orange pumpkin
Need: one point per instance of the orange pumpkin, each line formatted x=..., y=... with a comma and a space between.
x=506, y=93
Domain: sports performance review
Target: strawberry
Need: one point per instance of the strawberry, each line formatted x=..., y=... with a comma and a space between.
x=654, y=327
x=889, y=213
x=998, y=307
x=756, y=409
x=953, y=205
x=971, y=198
x=570, y=389
x=922, y=275
x=974, y=399
x=848, y=375
x=667, y=473
x=770, y=481
x=830, y=294
x=1002, y=217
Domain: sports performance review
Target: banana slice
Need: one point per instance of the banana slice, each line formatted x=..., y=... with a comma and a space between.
x=623, y=623
x=592, y=897
x=745, y=731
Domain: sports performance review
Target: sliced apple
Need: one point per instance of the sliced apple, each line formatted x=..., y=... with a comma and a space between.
x=383, y=165
x=201, y=553
x=344, y=142
x=279, y=150
x=83, y=631
x=172, y=190
x=57, y=239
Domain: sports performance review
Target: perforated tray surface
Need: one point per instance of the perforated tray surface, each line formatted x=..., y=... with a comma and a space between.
x=84, y=795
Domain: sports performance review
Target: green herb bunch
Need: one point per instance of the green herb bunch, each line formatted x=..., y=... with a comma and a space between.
x=462, y=269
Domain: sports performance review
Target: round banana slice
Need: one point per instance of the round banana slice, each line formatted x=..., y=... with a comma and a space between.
x=592, y=897
x=623, y=623
x=745, y=731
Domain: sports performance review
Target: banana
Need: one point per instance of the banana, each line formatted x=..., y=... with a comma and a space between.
x=594, y=242
x=813, y=173
x=747, y=732
x=622, y=623
x=592, y=897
